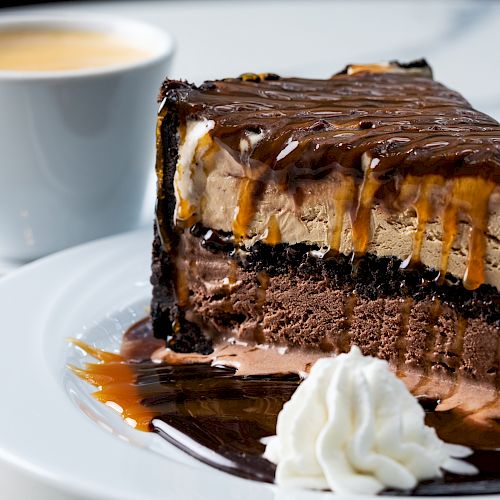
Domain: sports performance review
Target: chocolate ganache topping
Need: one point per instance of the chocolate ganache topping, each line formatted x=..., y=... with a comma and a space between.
x=387, y=135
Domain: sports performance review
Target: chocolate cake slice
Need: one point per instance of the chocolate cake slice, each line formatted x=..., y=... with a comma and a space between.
x=310, y=215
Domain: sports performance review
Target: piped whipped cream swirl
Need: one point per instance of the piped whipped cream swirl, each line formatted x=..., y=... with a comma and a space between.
x=353, y=427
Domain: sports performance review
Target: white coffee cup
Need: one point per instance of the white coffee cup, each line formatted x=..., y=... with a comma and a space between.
x=77, y=146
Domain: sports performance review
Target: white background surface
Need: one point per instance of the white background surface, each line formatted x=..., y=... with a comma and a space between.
x=460, y=39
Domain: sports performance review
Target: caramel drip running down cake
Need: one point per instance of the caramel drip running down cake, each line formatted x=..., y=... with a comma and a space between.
x=298, y=217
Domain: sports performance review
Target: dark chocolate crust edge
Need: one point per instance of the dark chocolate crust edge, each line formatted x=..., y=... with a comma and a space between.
x=167, y=319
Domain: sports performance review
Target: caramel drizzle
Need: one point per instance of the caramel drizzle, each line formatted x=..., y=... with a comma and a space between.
x=116, y=382
x=392, y=67
x=162, y=113
x=424, y=209
x=233, y=272
x=361, y=224
x=181, y=287
x=149, y=390
x=370, y=68
x=246, y=208
x=187, y=211
x=467, y=195
x=470, y=197
x=273, y=236
x=477, y=196
x=250, y=190
x=342, y=198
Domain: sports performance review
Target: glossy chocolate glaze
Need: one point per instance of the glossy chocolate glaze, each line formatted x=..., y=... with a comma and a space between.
x=411, y=123
x=387, y=136
x=220, y=418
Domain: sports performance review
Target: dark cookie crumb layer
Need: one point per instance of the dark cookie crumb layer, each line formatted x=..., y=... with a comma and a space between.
x=371, y=277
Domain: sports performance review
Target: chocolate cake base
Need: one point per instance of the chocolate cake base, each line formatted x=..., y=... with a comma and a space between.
x=289, y=296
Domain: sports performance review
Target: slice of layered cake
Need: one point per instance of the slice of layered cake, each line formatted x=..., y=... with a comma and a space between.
x=299, y=217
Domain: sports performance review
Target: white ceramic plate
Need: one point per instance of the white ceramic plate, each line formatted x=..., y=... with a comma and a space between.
x=49, y=424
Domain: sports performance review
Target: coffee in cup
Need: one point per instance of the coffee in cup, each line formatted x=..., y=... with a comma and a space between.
x=50, y=49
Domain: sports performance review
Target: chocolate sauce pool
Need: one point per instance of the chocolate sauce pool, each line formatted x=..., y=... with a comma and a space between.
x=220, y=418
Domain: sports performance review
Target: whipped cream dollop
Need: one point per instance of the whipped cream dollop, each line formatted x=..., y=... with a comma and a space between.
x=353, y=427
